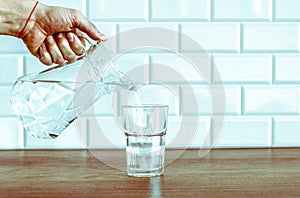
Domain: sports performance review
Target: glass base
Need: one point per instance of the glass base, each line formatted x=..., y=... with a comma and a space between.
x=145, y=173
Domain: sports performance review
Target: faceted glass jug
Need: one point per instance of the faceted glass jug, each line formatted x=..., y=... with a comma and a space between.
x=48, y=101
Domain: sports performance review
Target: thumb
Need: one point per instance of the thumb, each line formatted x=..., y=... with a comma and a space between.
x=84, y=25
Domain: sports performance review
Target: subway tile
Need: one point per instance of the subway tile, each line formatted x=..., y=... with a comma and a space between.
x=242, y=10
x=118, y=10
x=134, y=66
x=188, y=132
x=11, y=133
x=190, y=10
x=196, y=100
x=214, y=100
x=12, y=65
x=154, y=93
x=202, y=136
x=147, y=37
x=242, y=68
x=243, y=132
x=105, y=106
x=126, y=26
x=270, y=100
x=287, y=68
x=73, y=137
x=286, y=10
x=108, y=28
x=6, y=107
x=33, y=65
x=286, y=132
x=105, y=132
x=180, y=68
x=212, y=37
x=13, y=45
x=270, y=37
x=78, y=5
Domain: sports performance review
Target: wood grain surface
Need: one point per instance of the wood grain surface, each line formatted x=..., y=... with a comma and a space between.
x=221, y=173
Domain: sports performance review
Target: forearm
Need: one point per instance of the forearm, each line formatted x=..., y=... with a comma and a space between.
x=13, y=15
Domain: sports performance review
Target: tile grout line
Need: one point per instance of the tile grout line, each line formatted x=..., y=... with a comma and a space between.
x=271, y=133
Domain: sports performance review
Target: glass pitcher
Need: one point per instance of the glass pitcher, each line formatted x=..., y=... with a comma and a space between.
x=48, y=101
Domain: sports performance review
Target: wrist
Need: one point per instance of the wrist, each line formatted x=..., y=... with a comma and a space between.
x=29, y=18
x=13, y=16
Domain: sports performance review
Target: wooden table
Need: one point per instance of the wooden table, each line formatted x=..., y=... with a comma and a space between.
x=221, y=173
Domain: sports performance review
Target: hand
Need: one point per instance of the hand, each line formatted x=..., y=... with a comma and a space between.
x=61, y=47
x=54, y=33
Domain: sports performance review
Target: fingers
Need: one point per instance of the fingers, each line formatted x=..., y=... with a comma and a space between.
x=80, y=35
x=61, y=47
x=65, y=49
x=54, y=50
x=76, y=44
x=44, y=55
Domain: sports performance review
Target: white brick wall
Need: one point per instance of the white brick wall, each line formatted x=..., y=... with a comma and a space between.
x=178, y=10
x=286, y=10
x=243, y=68
x=237, y=10
x=254, y=45
x=213, y=37
x=270, y=37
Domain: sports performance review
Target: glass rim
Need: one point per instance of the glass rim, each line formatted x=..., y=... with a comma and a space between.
x=145, y=106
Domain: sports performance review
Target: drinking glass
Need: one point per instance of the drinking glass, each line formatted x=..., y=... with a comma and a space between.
x=145, y=128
